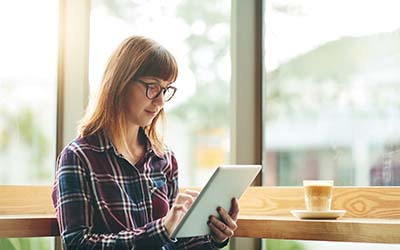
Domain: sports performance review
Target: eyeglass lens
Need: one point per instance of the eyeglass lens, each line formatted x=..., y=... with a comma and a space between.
x=154, y=90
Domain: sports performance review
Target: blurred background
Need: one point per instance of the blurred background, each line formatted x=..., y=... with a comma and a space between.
x=331, y=95
x=331, y=85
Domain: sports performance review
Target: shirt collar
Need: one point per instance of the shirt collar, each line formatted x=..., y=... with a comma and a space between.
x=100, y=142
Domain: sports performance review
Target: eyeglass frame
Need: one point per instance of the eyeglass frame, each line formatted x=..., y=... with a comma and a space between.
x=162, y=89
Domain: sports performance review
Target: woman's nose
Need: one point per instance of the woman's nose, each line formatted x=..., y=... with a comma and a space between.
x=160, y=99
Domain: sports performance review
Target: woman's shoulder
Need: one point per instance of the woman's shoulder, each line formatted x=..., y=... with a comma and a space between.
x=168, y=149
x=73, y=149
x=166, y=152
x=96, y=142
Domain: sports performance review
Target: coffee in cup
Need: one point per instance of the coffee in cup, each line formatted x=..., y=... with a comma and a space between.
x=318, y=194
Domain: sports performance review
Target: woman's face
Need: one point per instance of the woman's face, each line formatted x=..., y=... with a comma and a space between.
x=142, y=110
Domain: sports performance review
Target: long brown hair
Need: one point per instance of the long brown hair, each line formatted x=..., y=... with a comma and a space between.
x=135, y=57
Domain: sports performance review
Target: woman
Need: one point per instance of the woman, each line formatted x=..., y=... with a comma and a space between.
x=116, y=184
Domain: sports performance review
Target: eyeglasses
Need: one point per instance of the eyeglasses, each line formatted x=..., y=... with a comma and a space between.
x=153, y=90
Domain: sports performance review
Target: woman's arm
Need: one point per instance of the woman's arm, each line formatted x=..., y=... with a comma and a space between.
x=73, y=200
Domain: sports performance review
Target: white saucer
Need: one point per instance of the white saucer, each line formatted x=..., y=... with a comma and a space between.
x=306, y=214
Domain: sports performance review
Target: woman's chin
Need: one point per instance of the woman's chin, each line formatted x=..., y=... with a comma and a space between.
x=147, y=122
x=142, y=123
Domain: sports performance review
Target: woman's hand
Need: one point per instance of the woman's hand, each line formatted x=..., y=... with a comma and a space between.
x=224, y=228
x=182, y=204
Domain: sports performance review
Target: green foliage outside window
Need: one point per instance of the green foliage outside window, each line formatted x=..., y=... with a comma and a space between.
x=26, y=244
x=283, y=245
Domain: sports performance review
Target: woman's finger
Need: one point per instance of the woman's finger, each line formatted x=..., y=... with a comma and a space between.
x=227, y=218
x=180, y=208
x=184, y=199
x=220, y=234
x=216, y=233
x=193, y=193
x=222, y=227
x=234, y=210
x=174, y=216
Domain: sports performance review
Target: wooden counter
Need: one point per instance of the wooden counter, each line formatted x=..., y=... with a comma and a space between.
x=17, y=226
x=345, y=229
x=373, y=214
x=272, y=227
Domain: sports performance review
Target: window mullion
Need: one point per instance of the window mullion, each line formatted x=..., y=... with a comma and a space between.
x=73, y=67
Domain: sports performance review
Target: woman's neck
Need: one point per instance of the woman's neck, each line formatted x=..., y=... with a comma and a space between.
x=131, y=147
x=132, y=137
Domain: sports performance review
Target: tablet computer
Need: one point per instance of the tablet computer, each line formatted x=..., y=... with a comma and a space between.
x=227, y=182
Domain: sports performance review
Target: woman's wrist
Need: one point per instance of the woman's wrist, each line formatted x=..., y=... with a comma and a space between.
x=166, y=226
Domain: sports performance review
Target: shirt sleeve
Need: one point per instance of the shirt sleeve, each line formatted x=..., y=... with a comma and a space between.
x=73, y=199
x=194, y=243
x=172, y=178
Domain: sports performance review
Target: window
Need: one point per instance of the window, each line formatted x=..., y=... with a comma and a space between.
x=331, y=92
x=28, y=81
x=331, y=95
x=198, y=34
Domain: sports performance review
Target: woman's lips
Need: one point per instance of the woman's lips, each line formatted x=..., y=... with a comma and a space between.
x=151, y=112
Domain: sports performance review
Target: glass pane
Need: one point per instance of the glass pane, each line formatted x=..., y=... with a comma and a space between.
x=331, y=92
x=28, y=70
x=331, y=97
x=198, y=34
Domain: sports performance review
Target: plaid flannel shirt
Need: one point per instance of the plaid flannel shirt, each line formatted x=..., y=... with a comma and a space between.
x=104, y=202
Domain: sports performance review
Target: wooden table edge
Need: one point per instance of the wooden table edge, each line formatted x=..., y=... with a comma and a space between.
x=343, y=229
x=272, y=227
